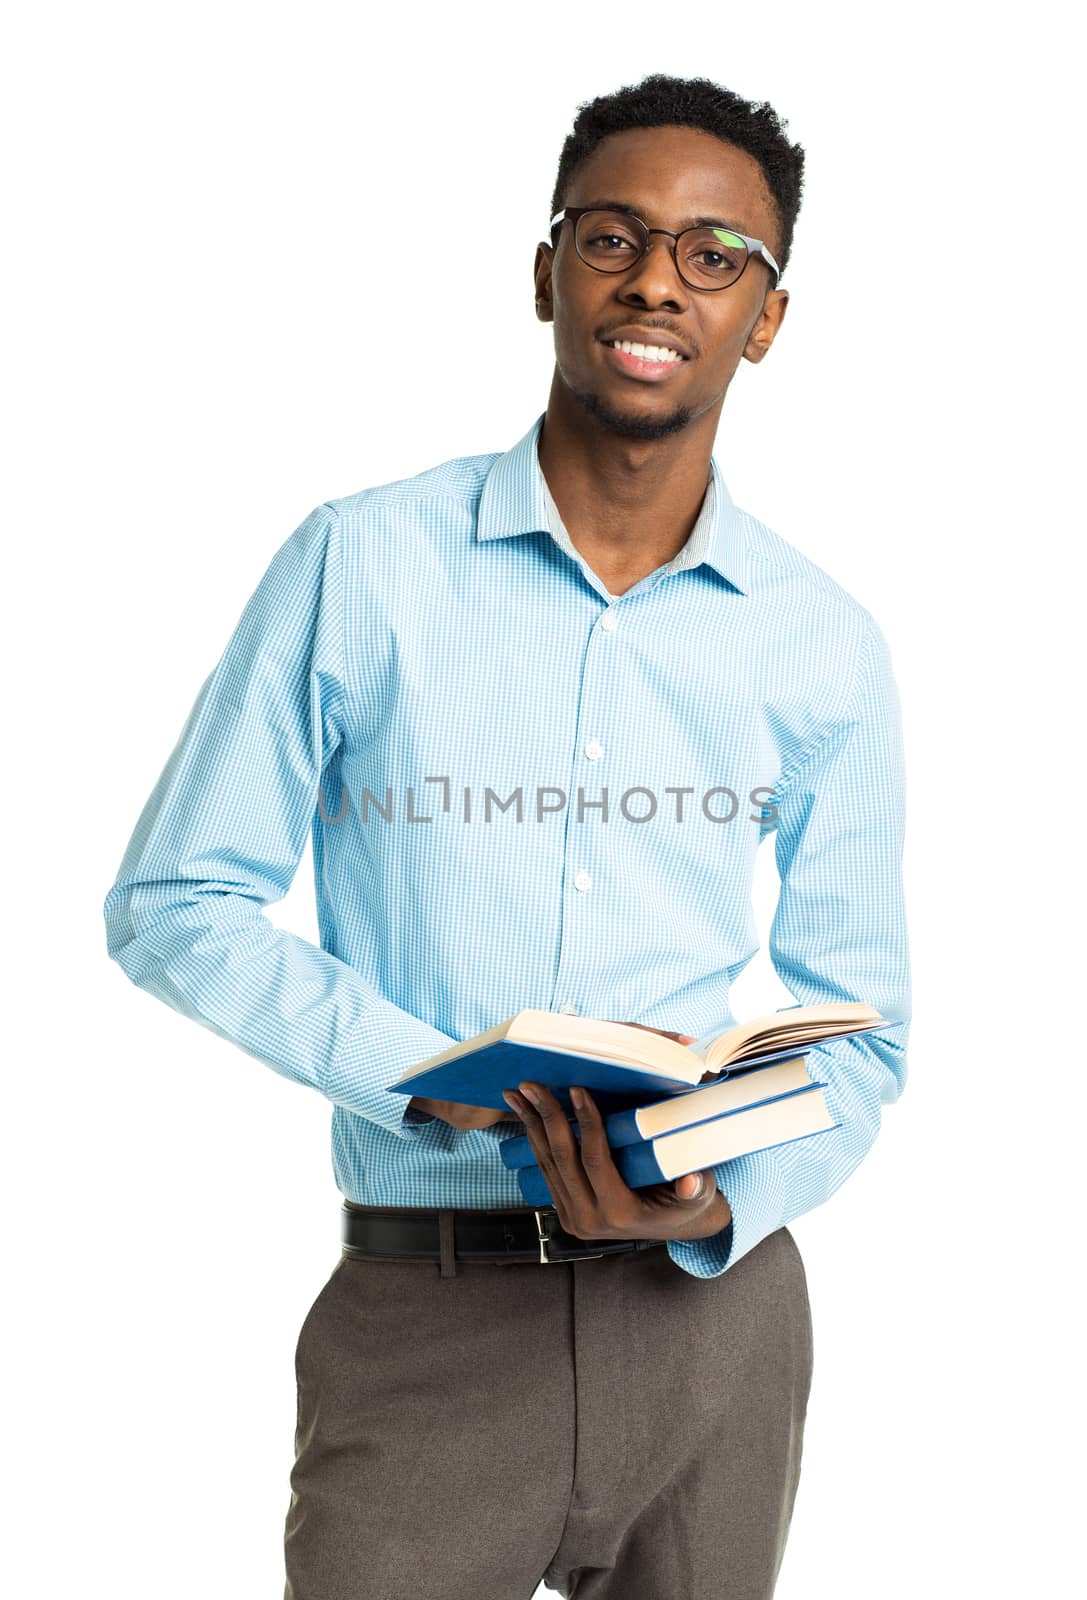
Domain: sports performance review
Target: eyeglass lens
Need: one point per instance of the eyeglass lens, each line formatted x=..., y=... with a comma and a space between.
x=708, y=258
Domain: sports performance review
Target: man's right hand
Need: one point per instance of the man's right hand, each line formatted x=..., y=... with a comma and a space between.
x=465, y=1117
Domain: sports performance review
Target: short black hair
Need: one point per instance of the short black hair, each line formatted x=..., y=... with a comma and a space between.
x=662, y=101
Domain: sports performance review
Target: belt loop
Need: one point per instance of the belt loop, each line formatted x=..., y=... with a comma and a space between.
x=446, y=1244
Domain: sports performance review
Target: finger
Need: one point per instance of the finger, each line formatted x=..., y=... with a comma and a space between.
x=609, y=1189
x=532, y=1124
x=555, y=1148
x=541, y=1146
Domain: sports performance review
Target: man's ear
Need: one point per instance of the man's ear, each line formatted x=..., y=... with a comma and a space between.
x=541, y=273
x=765, y=328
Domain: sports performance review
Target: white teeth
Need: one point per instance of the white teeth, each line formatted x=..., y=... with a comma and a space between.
x=645, y=352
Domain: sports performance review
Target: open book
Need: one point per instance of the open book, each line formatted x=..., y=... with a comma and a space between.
x=619, y=1064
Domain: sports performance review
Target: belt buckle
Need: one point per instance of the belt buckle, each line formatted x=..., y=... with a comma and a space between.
x=546, y=1242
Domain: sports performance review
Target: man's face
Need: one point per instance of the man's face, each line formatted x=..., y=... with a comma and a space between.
x=672, y=176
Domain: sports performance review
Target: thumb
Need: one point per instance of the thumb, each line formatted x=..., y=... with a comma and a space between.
x=689, y=1187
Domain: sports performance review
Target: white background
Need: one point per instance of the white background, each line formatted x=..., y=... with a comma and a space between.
x=211, y=329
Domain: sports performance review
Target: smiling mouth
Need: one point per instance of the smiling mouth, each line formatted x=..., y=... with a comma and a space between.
x=642, y=361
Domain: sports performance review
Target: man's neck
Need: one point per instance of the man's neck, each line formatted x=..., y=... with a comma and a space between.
x=628, y=505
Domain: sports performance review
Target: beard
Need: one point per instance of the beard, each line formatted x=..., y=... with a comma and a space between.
x=629, y=424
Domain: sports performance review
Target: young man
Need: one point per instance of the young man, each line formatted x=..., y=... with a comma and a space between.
x=539, y=709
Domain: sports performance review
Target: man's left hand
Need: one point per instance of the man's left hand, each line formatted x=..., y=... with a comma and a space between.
x=590, y=1195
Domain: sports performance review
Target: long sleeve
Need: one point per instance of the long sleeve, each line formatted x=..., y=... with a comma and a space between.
x=838, y=933
x=221, y=837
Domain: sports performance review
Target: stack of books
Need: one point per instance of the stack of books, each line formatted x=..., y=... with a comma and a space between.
x=665, y=1110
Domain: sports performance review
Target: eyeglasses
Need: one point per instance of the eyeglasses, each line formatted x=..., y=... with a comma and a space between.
x=705, y=258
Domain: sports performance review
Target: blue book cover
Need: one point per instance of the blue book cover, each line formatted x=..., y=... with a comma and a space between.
x=479, y=1076
x=769, y=1081
x=706, y=1145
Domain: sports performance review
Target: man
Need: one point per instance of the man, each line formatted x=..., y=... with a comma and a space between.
x=511, y=698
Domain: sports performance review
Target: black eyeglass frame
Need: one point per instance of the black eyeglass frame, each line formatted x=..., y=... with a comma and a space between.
x=755, y=247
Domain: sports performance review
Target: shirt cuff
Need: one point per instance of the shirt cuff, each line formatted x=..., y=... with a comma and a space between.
x=385, y=1044
x=413, y=1115
x=709, y=1257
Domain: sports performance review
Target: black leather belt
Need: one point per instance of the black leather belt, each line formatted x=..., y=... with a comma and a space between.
x=413, y=1233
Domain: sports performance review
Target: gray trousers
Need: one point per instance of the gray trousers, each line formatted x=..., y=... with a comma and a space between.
x=614, y=1428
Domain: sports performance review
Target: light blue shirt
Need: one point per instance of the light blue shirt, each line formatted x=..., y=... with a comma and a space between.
x=525, y=792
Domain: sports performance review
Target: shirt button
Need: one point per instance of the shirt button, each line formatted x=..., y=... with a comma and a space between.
x=582, y=879
x=594, y=749
x=568, y=1010
x=607, y=622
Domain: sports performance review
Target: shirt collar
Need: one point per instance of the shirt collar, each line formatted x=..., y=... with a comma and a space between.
x=515, y=499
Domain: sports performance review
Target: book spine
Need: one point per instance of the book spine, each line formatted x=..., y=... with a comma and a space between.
x=517, y=1151
x=636, y=1164
x=637, y=1167
x=533, y=1186
x=620, y=1128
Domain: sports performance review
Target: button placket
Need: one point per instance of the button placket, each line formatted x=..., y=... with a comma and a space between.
x=576, y=934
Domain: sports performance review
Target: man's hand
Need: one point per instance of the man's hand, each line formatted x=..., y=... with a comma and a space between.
x=459, y=1116
x=588, y=1192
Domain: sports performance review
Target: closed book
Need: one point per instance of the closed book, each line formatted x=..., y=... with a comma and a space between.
x=638, y=1123
x=707, y=1144
x=621, y=1065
